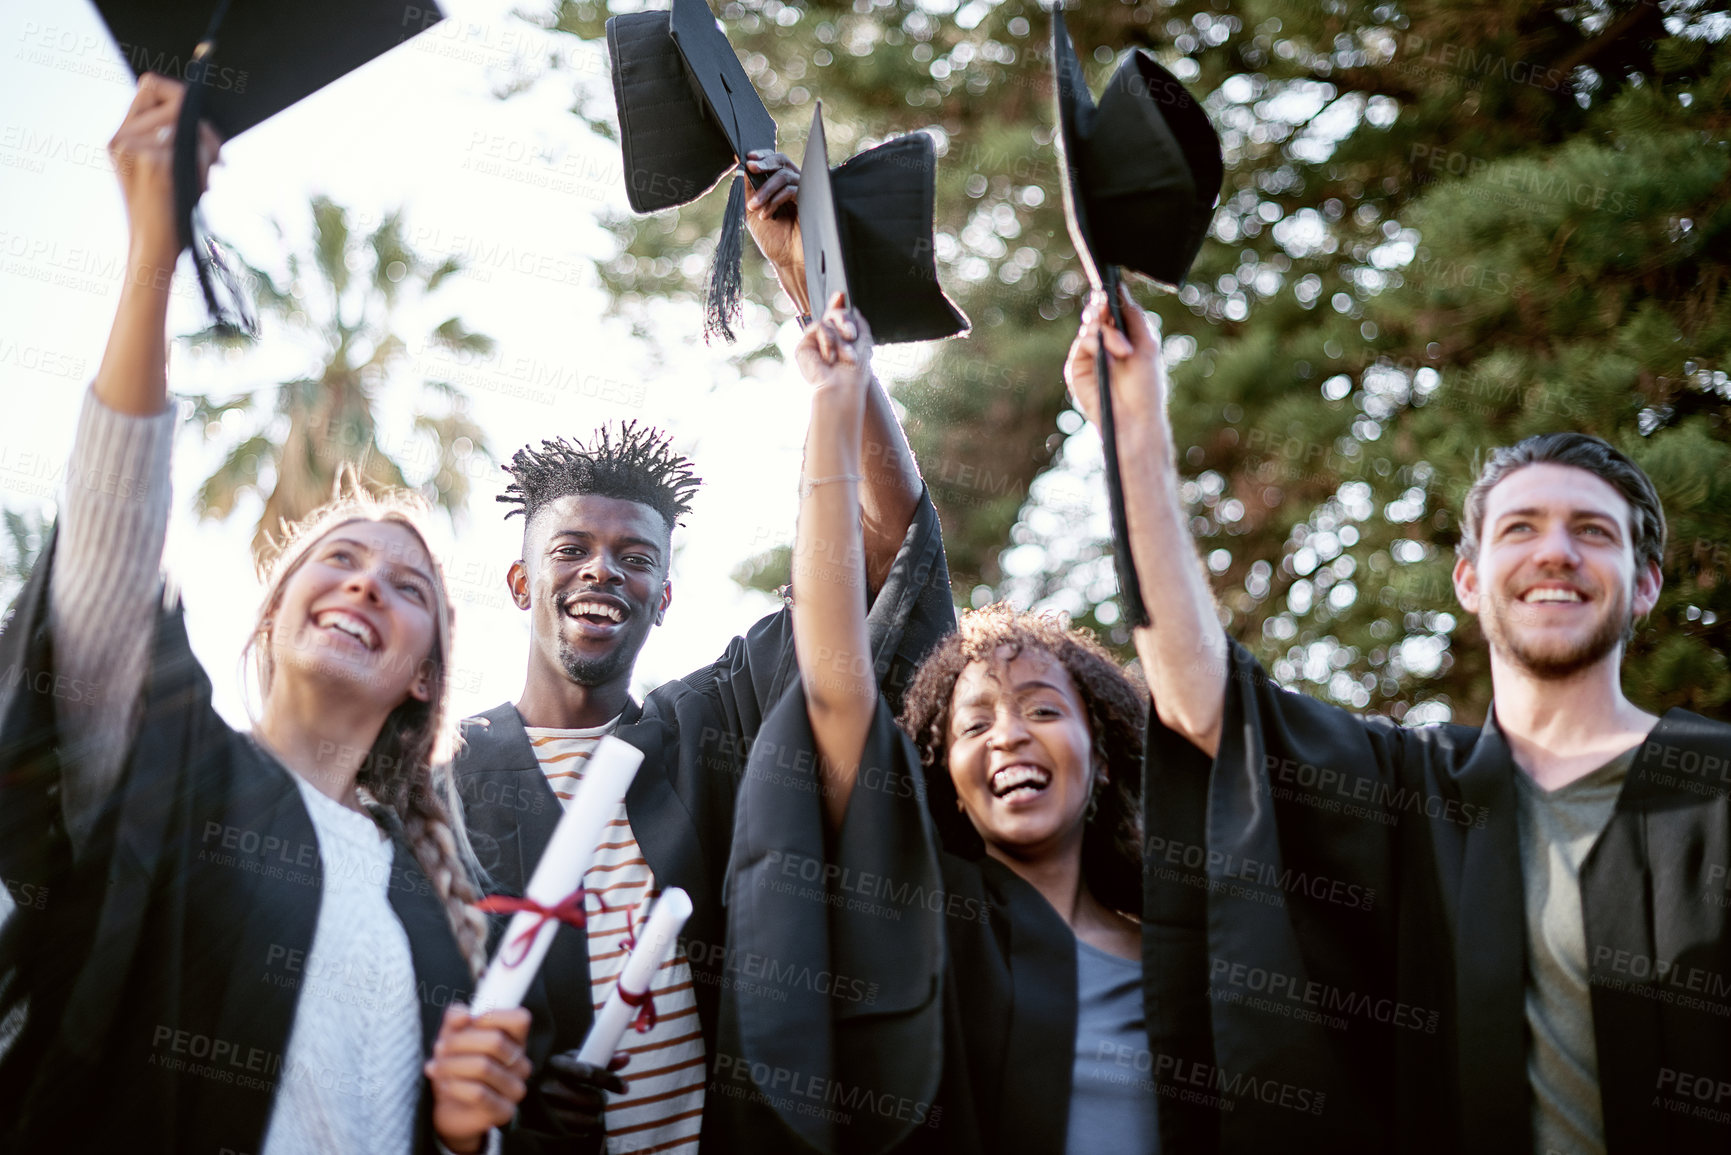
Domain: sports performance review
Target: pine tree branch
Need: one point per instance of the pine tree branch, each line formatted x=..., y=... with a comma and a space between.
x=1628, y=24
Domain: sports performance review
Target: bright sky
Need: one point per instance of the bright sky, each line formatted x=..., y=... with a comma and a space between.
x=514, y=186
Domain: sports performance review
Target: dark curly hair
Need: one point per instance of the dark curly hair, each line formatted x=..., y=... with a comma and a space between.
x=633, y=462
x=1117, y=704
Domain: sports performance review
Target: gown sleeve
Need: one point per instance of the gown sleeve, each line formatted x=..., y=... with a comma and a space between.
x=1175, y=779
x=833, y=1020
x=74, y=648
x=878, y=882
x=86, y=975
x=1311, y=849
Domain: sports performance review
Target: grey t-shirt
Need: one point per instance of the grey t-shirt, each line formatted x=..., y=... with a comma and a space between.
x=1558, y=829
x=1112, y=1105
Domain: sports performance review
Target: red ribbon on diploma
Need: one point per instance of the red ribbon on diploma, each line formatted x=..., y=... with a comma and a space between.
x=568, y=910
x=645, y=1019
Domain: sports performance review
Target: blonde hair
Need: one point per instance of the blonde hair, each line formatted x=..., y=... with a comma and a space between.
x=405, y=780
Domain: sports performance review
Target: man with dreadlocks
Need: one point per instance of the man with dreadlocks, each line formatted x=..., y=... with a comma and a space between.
x=594, y=577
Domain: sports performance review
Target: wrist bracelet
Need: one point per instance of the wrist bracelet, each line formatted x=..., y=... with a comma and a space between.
x=808, y=484
x=804, y=322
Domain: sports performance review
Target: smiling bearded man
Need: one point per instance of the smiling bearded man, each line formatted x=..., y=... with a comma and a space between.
x=1546, y=965
x=1553, y=596
x=594, y=579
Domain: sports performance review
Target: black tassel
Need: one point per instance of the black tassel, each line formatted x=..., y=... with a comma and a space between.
x=722, y=310
x=1129, y=586
x=206, y=253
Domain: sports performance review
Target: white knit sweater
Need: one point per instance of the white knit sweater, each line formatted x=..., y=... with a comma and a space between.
x=352, y=1072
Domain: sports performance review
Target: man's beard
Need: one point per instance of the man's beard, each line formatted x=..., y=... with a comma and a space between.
x=1547, y=664
x=597, y=671
x=587, y=671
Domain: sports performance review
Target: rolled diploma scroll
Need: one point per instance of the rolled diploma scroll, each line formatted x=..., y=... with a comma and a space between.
x=654, y=947
x=611, y=768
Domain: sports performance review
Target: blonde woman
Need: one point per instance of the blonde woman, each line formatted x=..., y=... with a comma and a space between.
x=245, y=941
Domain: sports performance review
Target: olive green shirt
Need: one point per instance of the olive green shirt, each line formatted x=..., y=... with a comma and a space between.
x=1558, y=829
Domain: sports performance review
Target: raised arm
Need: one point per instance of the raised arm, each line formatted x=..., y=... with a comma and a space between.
x=114, y=513
x=132, y=379
x=829, y=605
x=1183, y=651
x=891, y=486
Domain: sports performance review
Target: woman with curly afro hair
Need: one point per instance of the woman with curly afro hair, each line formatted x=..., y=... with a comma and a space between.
x=1031, y=738
x=970, y=875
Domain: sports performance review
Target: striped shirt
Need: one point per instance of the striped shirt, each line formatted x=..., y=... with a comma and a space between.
x=663, y=1108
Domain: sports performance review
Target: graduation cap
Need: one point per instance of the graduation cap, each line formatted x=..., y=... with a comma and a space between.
x=242, y=64
x=1141, y=173
x=866, y=226
x=688, y=115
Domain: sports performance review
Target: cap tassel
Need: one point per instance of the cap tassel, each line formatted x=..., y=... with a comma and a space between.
x=1129, y=585
x=206, y=253
x=723, y=309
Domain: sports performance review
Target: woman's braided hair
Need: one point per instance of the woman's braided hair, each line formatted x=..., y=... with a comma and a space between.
x=1117, y=705
x=406, y=779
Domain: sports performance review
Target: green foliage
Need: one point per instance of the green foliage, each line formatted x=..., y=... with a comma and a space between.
x=22, y=535
x=767, y=572
x=1443, y=227
x=294, y=436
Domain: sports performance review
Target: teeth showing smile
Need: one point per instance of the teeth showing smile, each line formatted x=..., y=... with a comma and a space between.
x=348, y=624
x=598, y=609
x=1020, y=777
x=1551, y=595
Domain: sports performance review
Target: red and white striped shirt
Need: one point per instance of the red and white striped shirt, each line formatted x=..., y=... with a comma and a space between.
x=663, y=1108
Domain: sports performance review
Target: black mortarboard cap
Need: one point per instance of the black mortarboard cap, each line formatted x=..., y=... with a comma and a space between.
x=244, y=63
x=687, y=115
x=866, y=226
x=1142, y=169
x=1141, y=173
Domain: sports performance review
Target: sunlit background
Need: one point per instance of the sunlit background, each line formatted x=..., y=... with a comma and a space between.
x=510, y=187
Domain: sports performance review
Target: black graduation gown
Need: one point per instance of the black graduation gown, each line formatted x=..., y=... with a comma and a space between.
x=1366, y=933
x=696, y=734
x=156, y=979
x=934, y=1009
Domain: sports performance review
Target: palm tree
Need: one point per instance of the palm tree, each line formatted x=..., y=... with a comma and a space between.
x=22, y=534
x=303, y=431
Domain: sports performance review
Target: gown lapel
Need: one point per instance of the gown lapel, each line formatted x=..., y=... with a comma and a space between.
x=509, y=809
x=509, y=802
x=1644, y=909
x=1039, y=1062
x=1489, y=920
